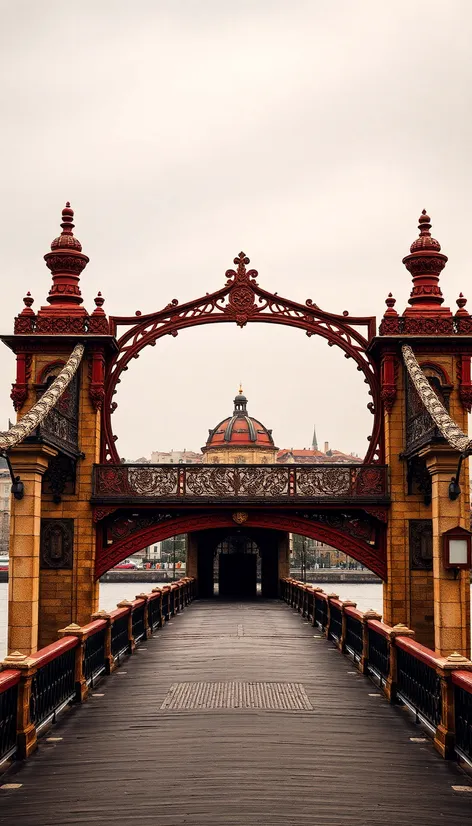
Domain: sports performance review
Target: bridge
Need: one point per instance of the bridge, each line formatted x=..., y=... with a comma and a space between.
x=237, y=713
x=272, y=692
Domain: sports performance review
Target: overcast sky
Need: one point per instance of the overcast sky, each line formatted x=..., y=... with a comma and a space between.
x=309, y=134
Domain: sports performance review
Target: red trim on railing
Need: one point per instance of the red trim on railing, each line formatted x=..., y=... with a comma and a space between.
x=120, y=612
x=136, y=603
x=321, y=595
x=425, y=655
x=379, y=627
x=94, y=626
x=461, y=678
x=8, y=679
x=354, y=612
x=338, y=603
x=50, y=652
x=154, y=595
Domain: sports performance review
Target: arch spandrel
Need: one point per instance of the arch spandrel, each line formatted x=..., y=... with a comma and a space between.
x=240, y=301
x=372, y=556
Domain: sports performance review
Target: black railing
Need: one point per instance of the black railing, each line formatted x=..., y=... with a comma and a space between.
x=419, y=686
x=52, y=687
x=94, y=655
x=354, y=639
x=137, y=622
x=166, y=605
x=321, y=612
x=119, y=637
x=335, y=623
x=154, y=613
x=463, y=721
x=379, y=655
x=8, y=712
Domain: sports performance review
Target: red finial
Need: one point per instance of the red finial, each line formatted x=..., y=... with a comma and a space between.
x=66, y=261
x=425, y=263
x=99, y=301
x=27, y=301
x=461, y=302
x=390, y=302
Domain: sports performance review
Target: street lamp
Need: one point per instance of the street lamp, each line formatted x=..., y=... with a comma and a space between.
x=457, y=548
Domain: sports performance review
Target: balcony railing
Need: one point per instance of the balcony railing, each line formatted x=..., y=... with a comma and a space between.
x=325, y=483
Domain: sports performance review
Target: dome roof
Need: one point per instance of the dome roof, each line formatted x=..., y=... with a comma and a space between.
x=240, y=429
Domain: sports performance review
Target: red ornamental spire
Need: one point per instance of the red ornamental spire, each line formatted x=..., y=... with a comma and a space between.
x=66, y=261
x=425, y=263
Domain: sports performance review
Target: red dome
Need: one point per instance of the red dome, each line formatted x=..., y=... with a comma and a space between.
x=240, y=429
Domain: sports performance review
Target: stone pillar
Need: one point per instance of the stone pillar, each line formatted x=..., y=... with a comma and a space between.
x=451, y=588
x=29, y=461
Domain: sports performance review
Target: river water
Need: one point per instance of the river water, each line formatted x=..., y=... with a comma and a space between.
x=367, y=595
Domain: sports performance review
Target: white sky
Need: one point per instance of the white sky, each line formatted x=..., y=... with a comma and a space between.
x=309, y=134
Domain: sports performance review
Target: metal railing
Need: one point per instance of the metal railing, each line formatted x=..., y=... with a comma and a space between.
x=33, y=690
x=438, y=690
x=335, y=482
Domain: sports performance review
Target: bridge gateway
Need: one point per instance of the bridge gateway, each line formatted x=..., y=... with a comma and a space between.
x=82, y=510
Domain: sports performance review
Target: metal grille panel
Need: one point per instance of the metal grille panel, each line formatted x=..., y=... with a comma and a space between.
x=234, y=695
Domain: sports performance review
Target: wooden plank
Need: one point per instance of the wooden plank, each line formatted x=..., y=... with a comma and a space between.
x=124, y=759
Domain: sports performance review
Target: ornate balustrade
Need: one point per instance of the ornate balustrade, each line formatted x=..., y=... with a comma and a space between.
x=212, y=483
x=437, y=689
x=34, y=690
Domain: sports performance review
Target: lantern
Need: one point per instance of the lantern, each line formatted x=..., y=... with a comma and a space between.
x=457, y=548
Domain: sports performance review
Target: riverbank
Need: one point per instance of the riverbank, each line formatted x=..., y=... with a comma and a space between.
x=320, y=576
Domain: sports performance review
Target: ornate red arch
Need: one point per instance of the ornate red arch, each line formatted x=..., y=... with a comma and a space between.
x=372, y=558
x=242, y=300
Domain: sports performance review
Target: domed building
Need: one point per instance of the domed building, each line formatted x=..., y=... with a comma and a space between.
x=240, y=439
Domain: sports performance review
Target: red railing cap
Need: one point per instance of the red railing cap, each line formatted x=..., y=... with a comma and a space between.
x=461, y=678
x=50, y=652
x=379, y=627
x=119, y=612
x=351, y=611
x=9, y=678
x=93, y=627
x=416, y=649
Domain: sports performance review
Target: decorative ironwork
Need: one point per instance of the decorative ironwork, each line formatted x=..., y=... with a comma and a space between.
x=419, y=478
x=137, y=620
x=8, y=716
x=57, y=543
x=242, y=300
x=421, y=544
x=120, y=643
x=321, y=612
x=335, y=623
x=60, y=476
x=28, y=423
x=258, y=482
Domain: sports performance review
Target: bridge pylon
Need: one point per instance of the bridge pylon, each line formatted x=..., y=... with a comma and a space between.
x=421, y=591
x=53, y=538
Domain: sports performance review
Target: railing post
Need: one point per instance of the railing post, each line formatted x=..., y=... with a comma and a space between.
x=444, y=737
x=81, y=687
x=147, y=628
x=398, y=630
x=329, y=597
x=125, y=603
x=26, y=737
x=110, y=664
x=342, y=641
x=366, y=616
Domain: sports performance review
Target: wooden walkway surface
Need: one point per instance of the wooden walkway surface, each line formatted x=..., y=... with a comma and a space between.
x=341, y=758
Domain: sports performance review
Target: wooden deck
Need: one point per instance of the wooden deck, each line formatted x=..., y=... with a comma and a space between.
x=343, y=757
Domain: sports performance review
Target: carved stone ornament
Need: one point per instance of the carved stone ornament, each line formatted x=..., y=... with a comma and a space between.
x=240, y=517
x=421, y=544
x=57, y=543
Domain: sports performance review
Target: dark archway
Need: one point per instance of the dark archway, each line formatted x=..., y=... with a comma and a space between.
x=239, y=301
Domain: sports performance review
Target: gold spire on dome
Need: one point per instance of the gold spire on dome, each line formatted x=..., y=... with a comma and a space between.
x=240, y=388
